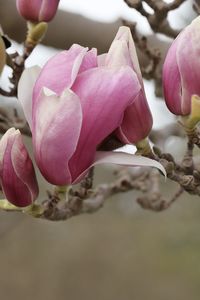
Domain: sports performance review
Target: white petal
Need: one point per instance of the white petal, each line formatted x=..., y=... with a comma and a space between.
x=124, y=159
x=121, y=158
x=25, y=90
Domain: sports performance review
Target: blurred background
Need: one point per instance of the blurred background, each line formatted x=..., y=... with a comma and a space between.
x=122, y=251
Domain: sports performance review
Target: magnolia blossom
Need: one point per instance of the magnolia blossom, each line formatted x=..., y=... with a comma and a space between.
x=17, y=175
x=137, y=121
x=72, y=105
x=181, y=76
x=37, y=10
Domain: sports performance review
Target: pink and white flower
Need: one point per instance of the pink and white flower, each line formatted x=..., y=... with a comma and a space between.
x=17, y=175
x=72, y=105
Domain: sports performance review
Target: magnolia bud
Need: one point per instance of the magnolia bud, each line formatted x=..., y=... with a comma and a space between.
x=181, y=74
x=37, y=10
x=17, y=175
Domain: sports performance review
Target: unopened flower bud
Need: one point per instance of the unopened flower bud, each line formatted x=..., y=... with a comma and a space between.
x=17, y=175
x=181, y=75
x=37, y=10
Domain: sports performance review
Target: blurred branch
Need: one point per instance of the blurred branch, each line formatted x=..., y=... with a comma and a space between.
x=7, y=121
x=196, y=7
x=158, y=19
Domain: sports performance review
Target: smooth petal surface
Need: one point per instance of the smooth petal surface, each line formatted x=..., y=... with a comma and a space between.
x=17, y=175
x=181, y=74
x=37, y=10
x=105, y=93
x=25, y=90
x=124, y=159
x=124, y=35
x=56, y=128
x=188, y=59
x=172, y=81
x=137, y=121
x=61, y=70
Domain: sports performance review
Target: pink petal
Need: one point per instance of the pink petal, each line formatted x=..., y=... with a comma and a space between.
x=119, y=55
x=37, y=10
x=105, y=93
x=172, y=81
x=137, y=121
x=124, y=35
x=102, y=60
x=188, y=60
x=23, y=167
x=56, y=128
x=61, y=70
x=48, y=10
x=89, y=60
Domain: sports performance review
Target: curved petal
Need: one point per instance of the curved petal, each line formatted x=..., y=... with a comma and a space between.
x=56, y=128
x=89, y=60
x=172, y=80
x=29, y=10
x=23, y=166
x=124, y=159
x=105, y=93
x=188, y=60
x=61, y=70
x=102, y=60
x=124, y=34
x=123, y=53
x=137, y=121
x=47, y=10
x=17, y=175
x=119, y=55
x=25, y=91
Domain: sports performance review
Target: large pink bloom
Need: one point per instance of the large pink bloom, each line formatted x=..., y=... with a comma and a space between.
x=73, y=105
x=17, y=175
x=181, y=75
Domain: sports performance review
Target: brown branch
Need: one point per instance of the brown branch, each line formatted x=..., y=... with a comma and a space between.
x=196, y=7
x=158, y=20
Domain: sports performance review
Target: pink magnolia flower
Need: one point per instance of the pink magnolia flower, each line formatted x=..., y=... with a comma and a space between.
x=37, y=10
x=181, y=75
x=17, y=175
x=72, y=105
x=137, y=120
